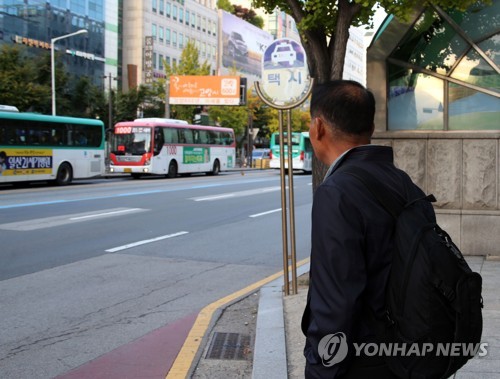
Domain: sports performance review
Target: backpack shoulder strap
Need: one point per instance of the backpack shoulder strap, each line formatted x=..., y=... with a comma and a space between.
x=381, y=193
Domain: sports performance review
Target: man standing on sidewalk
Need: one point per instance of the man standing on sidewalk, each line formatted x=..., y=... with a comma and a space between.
x=351, y=248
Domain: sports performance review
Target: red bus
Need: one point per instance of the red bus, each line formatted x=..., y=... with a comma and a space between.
x=170, y=147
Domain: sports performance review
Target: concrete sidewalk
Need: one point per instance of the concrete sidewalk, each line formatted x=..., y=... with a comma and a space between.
x=278, y=325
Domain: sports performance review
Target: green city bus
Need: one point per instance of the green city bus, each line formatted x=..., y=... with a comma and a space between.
x=39, y=147
x=302, y=151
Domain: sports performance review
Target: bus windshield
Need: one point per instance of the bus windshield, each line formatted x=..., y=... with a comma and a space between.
x=133, y=143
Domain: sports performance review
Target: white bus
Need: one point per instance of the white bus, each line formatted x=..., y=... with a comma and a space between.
x=302, y=152
x=40, y=147
x=170, y=147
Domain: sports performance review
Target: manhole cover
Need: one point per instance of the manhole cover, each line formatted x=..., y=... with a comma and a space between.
x=229, y=346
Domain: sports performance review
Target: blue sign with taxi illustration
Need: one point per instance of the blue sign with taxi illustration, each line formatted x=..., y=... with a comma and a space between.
x=285, y=74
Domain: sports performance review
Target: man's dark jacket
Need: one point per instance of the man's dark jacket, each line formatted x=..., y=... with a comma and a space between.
x=351, y=252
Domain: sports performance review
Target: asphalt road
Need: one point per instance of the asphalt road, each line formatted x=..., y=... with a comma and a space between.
x=88, y=268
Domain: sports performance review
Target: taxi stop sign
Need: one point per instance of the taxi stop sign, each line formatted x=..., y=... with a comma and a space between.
x=285, y=85
x=285, y=75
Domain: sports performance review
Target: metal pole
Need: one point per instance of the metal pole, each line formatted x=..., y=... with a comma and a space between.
x=52, y=64
x=53, y=77
x=284, y=229
x=110, y=122
x=167, y=98
x=293, y=255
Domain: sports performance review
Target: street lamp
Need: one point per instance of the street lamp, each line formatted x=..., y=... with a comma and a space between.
x=52, y=65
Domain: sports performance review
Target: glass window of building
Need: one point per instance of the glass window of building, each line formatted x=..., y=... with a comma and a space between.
x=444, y=74
x=187, y=17
x=154, y=60
x=160, y=34
x=181, y=41
x=160, y=62
x=154, y=4
x=153, y=31
x=198, y=22
x=174, y=12
x=77, y=6
x=193, y=20
x=167, y=36
x=161, y=7
x=181, y=15
x=168, y=8
x=174, y=39
x=96, y=11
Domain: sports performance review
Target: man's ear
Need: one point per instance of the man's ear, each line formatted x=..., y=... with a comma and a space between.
x=320, y=129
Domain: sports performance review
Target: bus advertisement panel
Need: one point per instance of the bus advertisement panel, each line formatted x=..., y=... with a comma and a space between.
x=40, y=147
x=302, y=151
x=170, y=147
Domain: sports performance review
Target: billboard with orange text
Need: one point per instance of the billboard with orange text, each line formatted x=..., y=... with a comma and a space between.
x=204, y=90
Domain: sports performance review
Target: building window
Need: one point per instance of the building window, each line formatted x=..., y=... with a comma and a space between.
x=181, y=15
x=437, y=80
x=167, y=9
x=167, y=36
x=174, y=39
x=181, y=41
x=187, y=17
x=154, y=5
x=153, y=31
x=160, y=35
x=193, y=20
x=174, y=12
x=160, y=62
x=198, y=22
x=162, y=6
x=154, y=60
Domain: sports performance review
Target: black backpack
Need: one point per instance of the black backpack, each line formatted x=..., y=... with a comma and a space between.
x=433, y=299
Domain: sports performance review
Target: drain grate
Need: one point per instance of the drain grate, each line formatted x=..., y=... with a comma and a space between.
x=233, y=346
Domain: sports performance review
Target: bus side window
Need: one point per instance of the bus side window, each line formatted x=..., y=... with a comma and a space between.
x=215, y=138
x=171, y=135
x=159, y=141
x=204, y=137
x=188, y=136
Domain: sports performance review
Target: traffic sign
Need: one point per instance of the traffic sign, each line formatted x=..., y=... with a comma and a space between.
x=285, y=74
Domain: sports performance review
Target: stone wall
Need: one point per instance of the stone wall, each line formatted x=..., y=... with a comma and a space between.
x=462, y=170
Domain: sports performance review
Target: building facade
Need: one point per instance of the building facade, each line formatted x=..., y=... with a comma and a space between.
x=436, y=80
x=34, y=23
x=156, y=31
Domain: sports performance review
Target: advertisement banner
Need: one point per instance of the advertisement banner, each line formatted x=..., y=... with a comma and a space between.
x=196, y=155
x=204, y=90
x=242, y=46
x=25, y=162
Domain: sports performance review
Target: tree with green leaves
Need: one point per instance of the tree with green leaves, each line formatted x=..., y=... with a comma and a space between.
x=19, y=81
x=324, y=30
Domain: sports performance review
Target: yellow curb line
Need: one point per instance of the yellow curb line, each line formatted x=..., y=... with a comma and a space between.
x=187, y=354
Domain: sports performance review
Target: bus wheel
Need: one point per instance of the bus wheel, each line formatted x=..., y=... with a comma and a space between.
x=172, y=170
x=215, y=169
x=64, y=174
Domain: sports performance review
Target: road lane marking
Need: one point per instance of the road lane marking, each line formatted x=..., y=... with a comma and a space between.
x=265, y=213
x=49, y=222
x=197, y=334
x=143, y=242
x=251, y=192
x=114, y=213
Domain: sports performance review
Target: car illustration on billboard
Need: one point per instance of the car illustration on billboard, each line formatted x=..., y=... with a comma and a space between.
x=241, y=47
